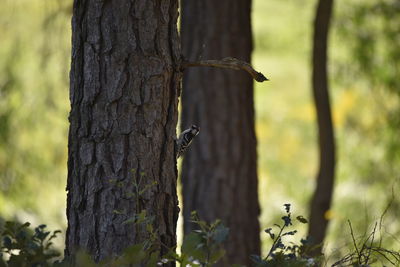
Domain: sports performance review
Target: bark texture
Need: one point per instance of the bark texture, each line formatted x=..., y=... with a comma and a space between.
x=219, y=172
x=124, y=92
x=322, y=197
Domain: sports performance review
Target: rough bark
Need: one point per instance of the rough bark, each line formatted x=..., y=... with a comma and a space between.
x=322, y=197
x=219, y=172
x=124, y=90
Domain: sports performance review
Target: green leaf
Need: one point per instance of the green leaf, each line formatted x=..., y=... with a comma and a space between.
x=141, y=217
x=301, y=219
x=2, y=225
x=54, y=235
x=84, y=259
x=131, y=255
x=149, y=228
x=118, y=212
x=287, y=207
x=131, y=220
x=220, y=234
x=290, y=233
x=17, y=260
x=173, y=256
x=190, y=246
x=215, y=223
x=256, y=259
x=216, y=256
x=135, y=253
x=27, y=224
x=154, y=257
x=7, y=242
x=269, y=232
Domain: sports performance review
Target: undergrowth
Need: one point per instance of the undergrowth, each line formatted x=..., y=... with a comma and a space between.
x=22, y=245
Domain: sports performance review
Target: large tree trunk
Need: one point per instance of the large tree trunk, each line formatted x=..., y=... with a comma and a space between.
x=124, y=93
x=219, y=172
x=322, y=198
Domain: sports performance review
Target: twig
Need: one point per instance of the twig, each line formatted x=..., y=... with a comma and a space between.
x=279, y=238
x=347, y=258
x=394, y=254
x=354, y=241
x=372, y=242
x=383, y=255
x=383, y=215
x=227, y=63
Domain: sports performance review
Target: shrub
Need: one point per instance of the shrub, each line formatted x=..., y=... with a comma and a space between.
x=282, y=253
x=22, y=246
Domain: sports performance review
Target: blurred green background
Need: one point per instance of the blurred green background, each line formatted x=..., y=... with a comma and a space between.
x=35, y=38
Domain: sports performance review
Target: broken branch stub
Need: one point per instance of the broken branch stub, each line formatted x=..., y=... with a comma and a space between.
x=227, y=63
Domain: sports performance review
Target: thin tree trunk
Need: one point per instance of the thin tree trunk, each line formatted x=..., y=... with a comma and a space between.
x=219, y=172
x=321, y=201
x=124, y=93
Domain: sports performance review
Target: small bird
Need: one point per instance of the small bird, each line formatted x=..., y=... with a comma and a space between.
x=185, y=139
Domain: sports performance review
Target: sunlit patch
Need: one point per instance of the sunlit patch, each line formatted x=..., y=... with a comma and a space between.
x=262, y=130
x=329, y=215
x=344, y=105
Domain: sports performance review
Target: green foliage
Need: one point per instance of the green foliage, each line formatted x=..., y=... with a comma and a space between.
x=364, y=112
x=34, y=65
x=22, y=246
x=366, y=70
x=203, y=247
x=284, y=253
x=372, y=28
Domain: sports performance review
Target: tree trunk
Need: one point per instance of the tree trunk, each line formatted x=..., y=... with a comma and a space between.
x=219, y=172
x=124, y=92
x=321, y=201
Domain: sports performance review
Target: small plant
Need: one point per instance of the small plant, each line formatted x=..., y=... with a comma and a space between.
x=22, y=246
x=368, y=251
x=282, y=254
x=203, y=247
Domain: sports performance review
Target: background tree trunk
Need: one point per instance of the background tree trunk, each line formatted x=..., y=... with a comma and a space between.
x=219, y=172
x=124, y=93
x=321, y=201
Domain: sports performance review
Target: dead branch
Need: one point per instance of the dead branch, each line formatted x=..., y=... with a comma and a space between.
x=227, y=63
